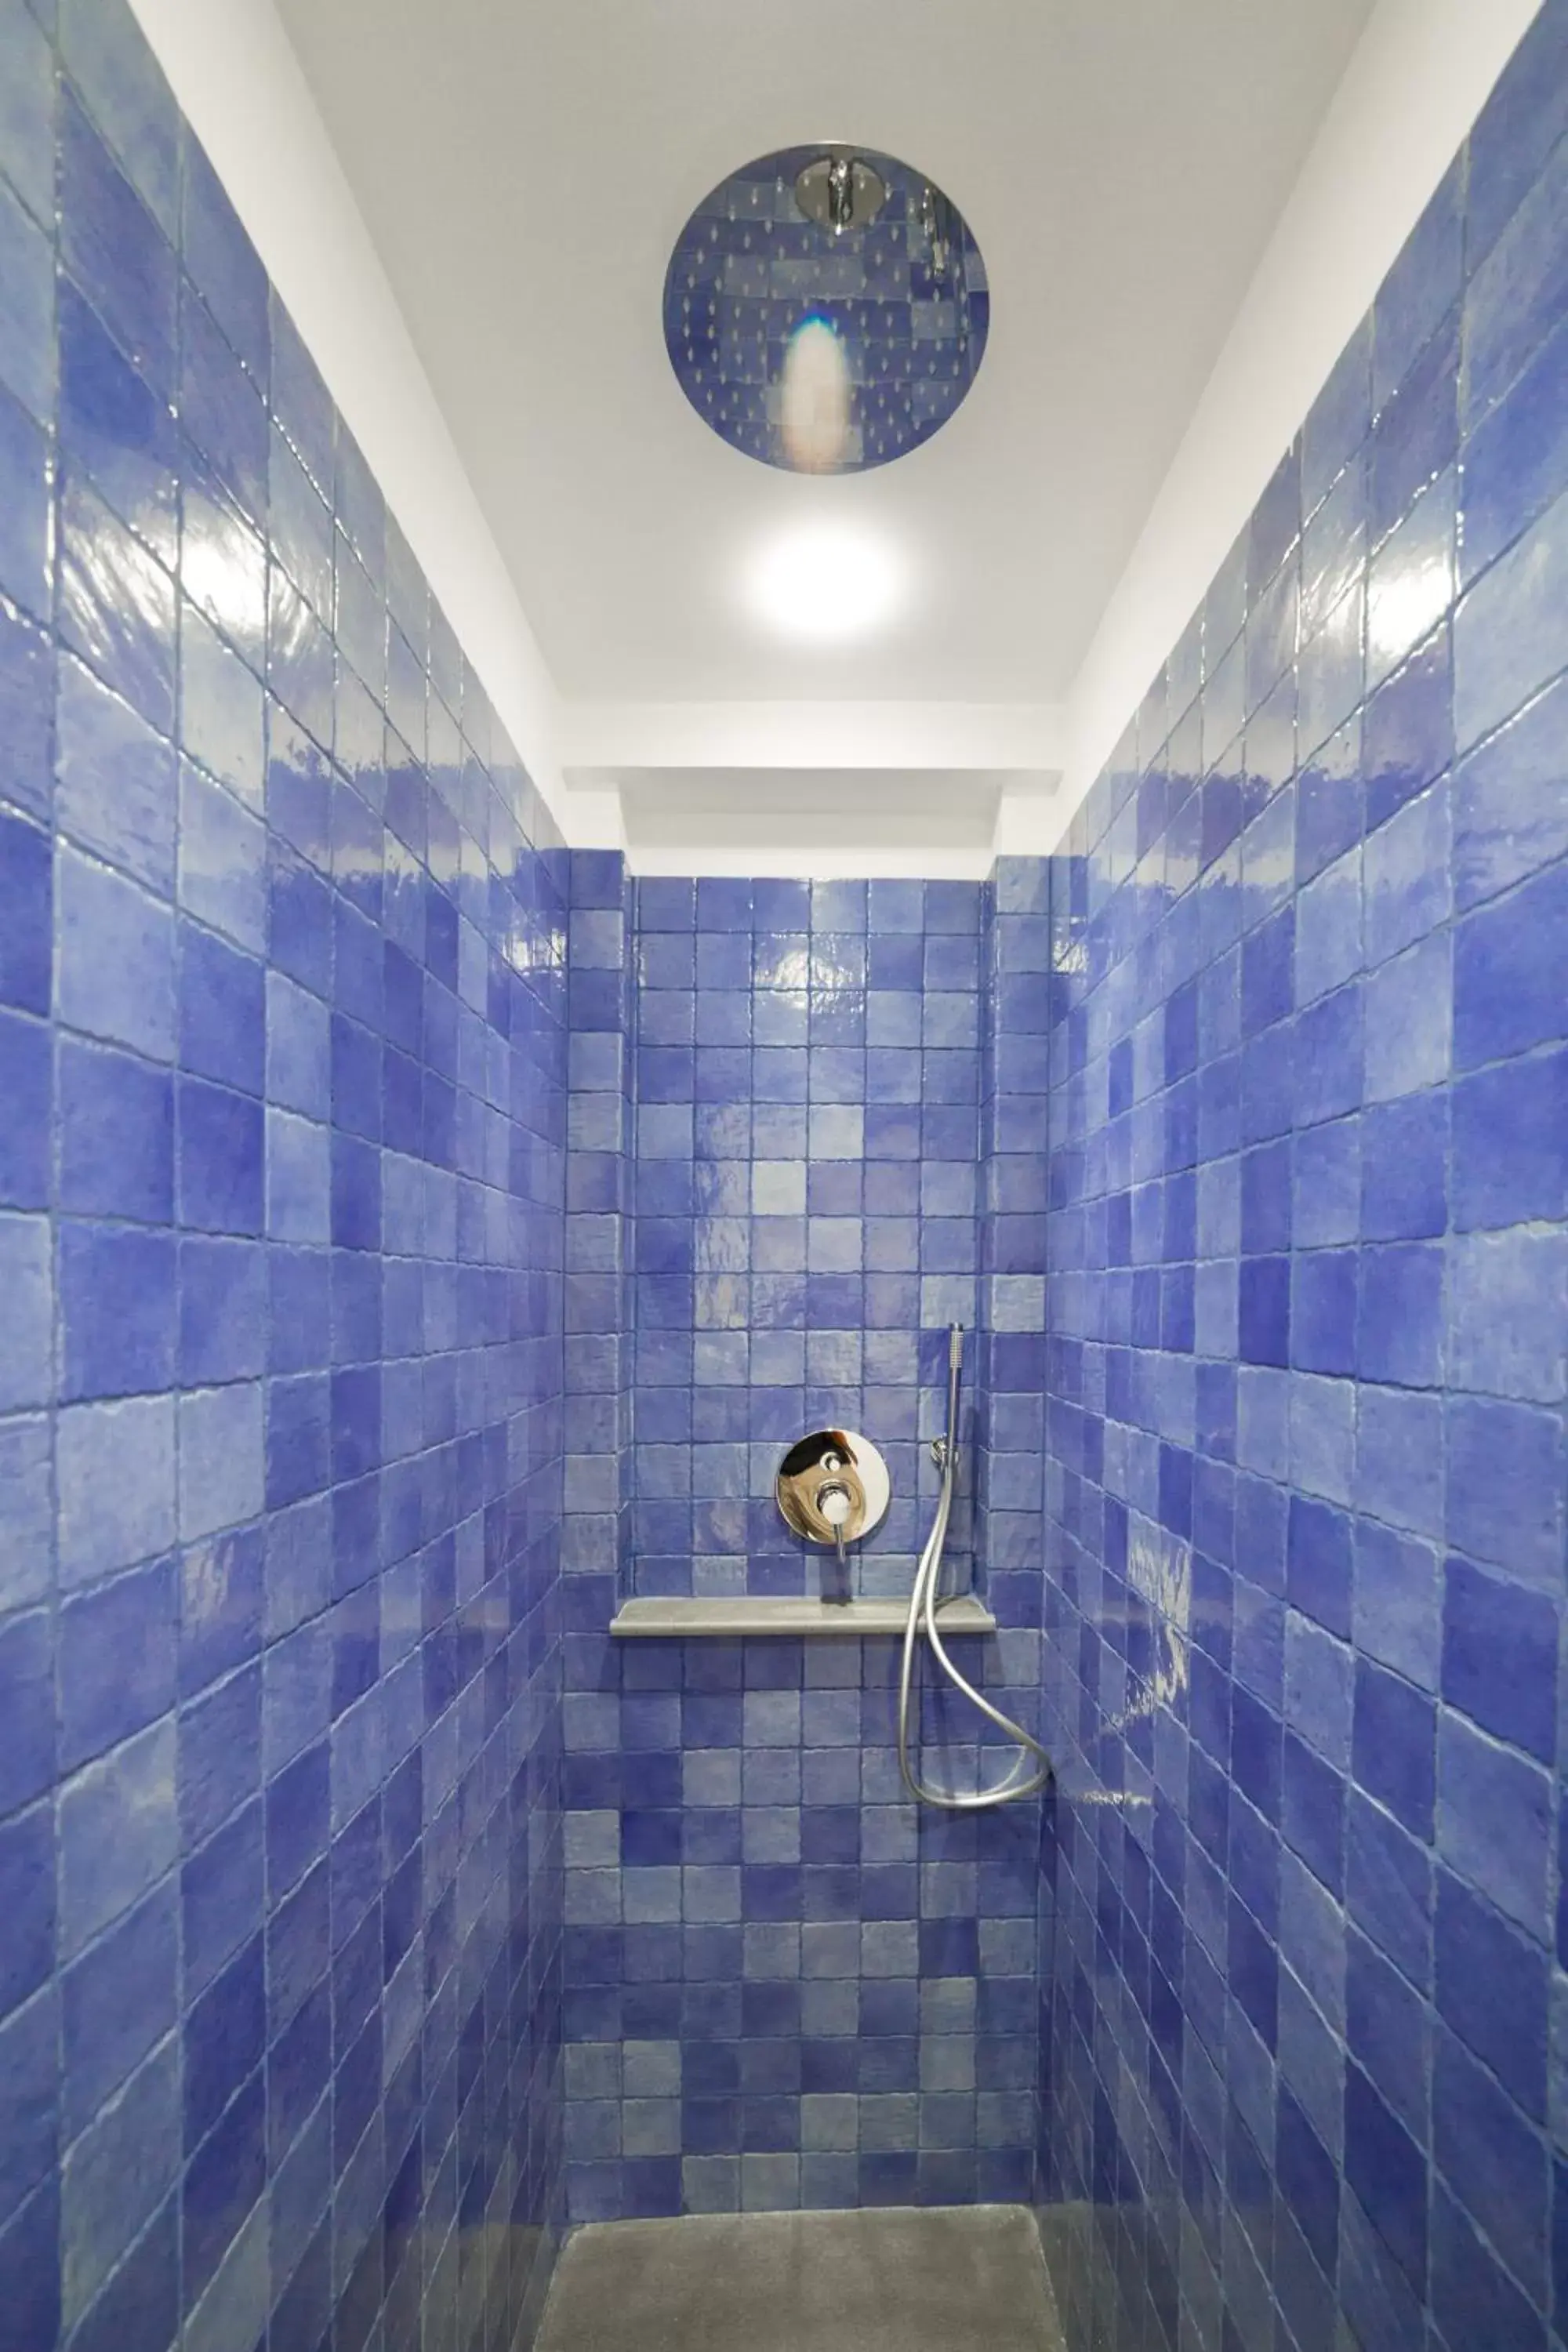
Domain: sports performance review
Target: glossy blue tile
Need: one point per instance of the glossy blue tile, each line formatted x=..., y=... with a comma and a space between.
x=1505, y=644
x=1407, y=1009
x=28, y=1746
x=1404, y=1169
x=31, y=2270
x=224, y=2036
x=1328, y=1057
x=27, y=362
x=1516, y=295
x=1393, y=1753
x=1411, y=582
x=220, y=1158
x=27, y=1075
x=223, y=1011
x=221, y=711
x=1505, y=1300
x=301, y=403
x=221, y=410
x=27, y=101
x=25, y=1259
x=1510, y=817
x=1506, y=993
x=27, y=717
x=111, y=64
x=1509, y=1126
x=1516, y=462
x=1331, y=815
x=223, y=570
x=119, y=1314
x=118, y=2001
x=222, y=2183
x=299, y=661
x=27, y=910
x=1493, y=1826
x=1420, y=288
x=224, y=264
x=1516, y=130
x=300, y=528
x=1399, y=1326
x=1339, y=419
x=1407, y=866
x=115, y=977
x=1504, y=1472
x=1499, y=1658
x=1398, y=1603
x=1265, y=1310
x=118, y=1832
x=117, y=1662
x=1491, y=1990
x=1492, y=2158
x=120, y=257
x=221, y=1605
x=116, y=1136
x=28, y=2070
x=114, y=427
x=116, y=605
x=115, y=781
x=223, y=862
x=1385, y=2168
x=116, y=1467
x=27, y=1880
x=25, y=522
x=1323, y=1311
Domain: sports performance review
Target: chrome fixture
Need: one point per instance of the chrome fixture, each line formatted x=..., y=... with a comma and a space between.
x=833, y=1488
x=826, y=308
x=1032, y=1769
x=936, y=223
x=840, y=192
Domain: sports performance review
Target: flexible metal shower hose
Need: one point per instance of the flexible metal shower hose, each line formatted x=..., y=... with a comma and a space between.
x=1030, y=1773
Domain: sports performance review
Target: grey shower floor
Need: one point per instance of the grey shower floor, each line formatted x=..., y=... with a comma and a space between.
x=948, y=2279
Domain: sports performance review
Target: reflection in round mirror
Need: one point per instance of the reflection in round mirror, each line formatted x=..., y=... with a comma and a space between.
x=826, y=309
x=833, y=1487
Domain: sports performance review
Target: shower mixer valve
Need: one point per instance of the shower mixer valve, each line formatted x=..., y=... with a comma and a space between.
x=833, y=1488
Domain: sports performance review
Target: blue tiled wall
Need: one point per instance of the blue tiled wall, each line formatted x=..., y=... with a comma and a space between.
x=282, y=1062
x=598, y=1307
x=1305, y=1516
x=785, y=1988
x=1008, y=1359
x=806, y=1190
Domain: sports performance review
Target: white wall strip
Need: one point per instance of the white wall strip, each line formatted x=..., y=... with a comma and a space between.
x=234, y=72
x=1420, y=77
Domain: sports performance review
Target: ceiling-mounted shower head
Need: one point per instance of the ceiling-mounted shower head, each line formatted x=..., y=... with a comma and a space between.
x=840, y=190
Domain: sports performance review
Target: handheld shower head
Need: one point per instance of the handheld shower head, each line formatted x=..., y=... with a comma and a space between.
x=1031, y=1768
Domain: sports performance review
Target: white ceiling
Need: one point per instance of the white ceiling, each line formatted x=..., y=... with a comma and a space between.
x=525, y=166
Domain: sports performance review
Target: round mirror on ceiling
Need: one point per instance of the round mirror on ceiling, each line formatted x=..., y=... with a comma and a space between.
x=826, y=309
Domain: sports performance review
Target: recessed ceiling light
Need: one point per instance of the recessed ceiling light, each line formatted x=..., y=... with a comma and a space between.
x=828, y=582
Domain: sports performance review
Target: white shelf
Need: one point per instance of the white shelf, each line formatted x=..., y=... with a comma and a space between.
x=741, y=1617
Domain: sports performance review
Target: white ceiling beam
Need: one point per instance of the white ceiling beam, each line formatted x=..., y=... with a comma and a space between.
x=600, y=741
